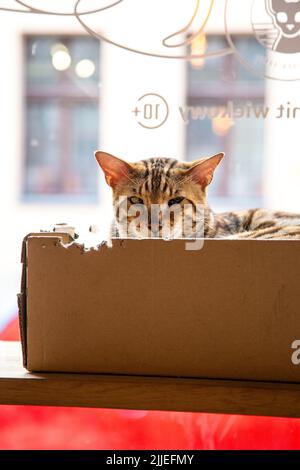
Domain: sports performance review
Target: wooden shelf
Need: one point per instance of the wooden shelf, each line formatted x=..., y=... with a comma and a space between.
x=19, y=387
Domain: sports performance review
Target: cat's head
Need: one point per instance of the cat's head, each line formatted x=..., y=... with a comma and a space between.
x=286, y=15
x=158, y=196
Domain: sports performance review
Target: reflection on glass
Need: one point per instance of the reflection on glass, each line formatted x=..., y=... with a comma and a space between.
x=62, y=109
x=227, y=109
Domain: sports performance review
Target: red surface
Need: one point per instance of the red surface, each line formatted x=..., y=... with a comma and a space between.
x=28, y=427
x=11, y=332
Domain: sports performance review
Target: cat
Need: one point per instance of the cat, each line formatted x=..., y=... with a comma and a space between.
x=286, y=17
x=170, y=183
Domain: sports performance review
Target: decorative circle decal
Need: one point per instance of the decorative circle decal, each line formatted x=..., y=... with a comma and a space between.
x=275, y=25
x=152, y=111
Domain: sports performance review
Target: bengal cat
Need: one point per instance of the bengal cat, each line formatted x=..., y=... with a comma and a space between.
x=168, y=184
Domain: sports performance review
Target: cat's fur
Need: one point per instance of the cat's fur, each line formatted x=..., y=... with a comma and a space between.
x=160, y=180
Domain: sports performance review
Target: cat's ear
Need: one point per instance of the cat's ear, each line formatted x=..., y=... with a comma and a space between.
x=114, y=168
x=202, y=171
x=274, y=5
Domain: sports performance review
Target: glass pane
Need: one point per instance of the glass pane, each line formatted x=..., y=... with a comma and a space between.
x=204, y=73
x=63, y=115
x=84, y=68
x=246, y=147
x=239, y=175
x=226, y=111
x=201, y=139
x=225, y=75
x=250, y=50
x=42, y=148
x=62, y=60
x=84, y=127
x=39, y=68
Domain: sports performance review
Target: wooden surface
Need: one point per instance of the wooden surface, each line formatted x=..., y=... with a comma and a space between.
x=19, y=387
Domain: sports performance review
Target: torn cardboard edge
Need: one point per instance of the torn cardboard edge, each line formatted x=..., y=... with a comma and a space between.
x=66, y=240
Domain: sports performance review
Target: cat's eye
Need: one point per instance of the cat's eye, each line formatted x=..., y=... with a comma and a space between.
x=282, y=17
x=136, y=200
x=175, y=200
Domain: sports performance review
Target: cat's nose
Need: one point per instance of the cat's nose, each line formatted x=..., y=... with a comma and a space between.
x=290, y=26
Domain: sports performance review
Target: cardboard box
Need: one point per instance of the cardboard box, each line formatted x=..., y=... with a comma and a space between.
x=150, y=307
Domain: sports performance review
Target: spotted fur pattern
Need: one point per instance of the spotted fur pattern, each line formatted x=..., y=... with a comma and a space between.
x=163, y=181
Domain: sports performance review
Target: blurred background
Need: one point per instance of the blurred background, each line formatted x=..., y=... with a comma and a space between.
x=65, y=93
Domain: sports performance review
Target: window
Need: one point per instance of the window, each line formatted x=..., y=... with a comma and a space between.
x=62, y=118
x=215, y=87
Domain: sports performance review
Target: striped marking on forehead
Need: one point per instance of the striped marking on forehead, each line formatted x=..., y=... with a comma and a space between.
x=157, y=173
x=160, y=164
